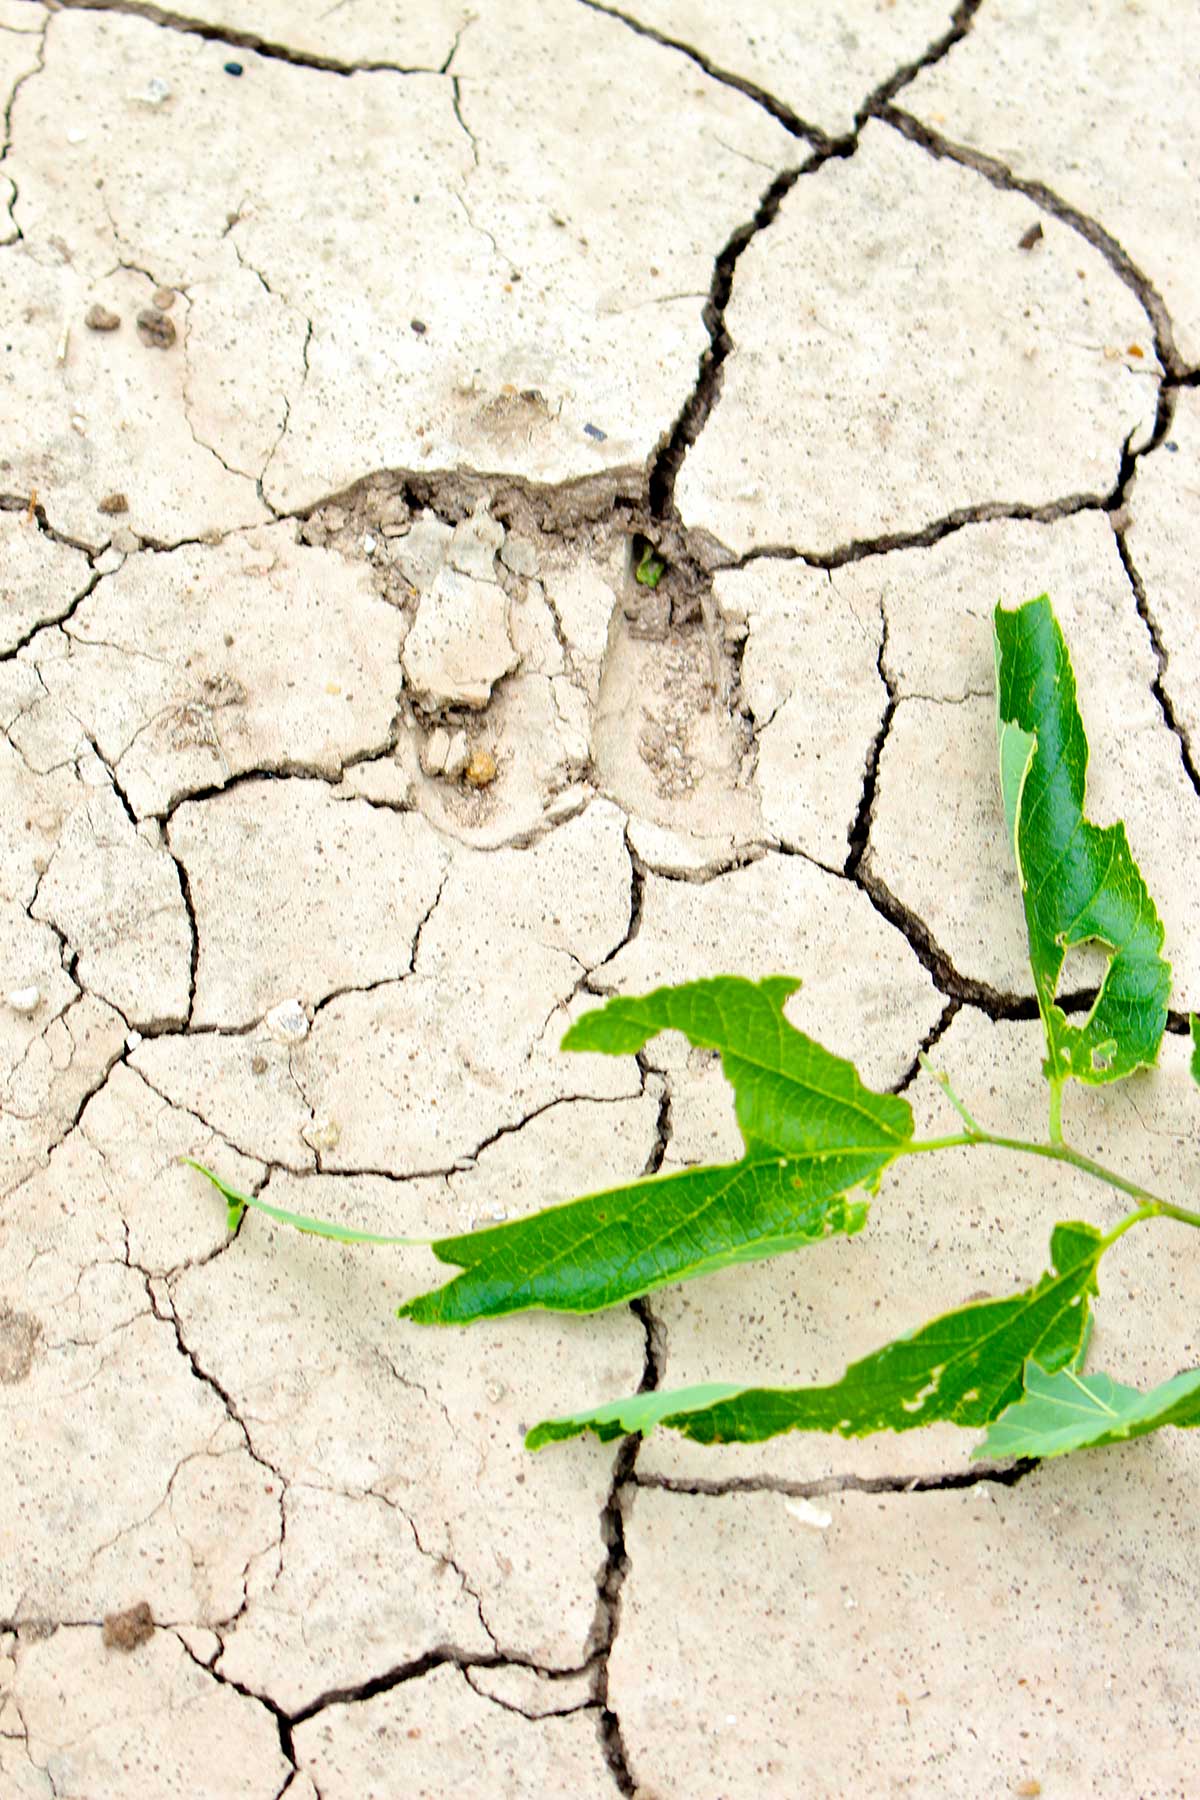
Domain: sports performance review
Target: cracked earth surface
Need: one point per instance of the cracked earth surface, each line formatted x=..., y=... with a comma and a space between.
x=347, y=352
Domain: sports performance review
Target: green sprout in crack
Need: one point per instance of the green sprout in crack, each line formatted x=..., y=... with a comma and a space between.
x=651, y=566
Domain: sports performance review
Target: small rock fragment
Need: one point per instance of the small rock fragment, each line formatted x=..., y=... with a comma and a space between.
x=457, y=756
x=113, y=503
x=334, y=518
x=98, y=318
x=156, y=331
x=1029, y=238
x=518, y=554
x=322, y=1134
x=287, y=1023
x=459, y=645
x=474, y=545
x=434, y=751
x=24, y=1000
x=155, y=93
x=164, y=298
x=596, y=434
x=481, y=770
x=419, y=326
x=233, y=68
x=813, y=1516
x=126, y=1630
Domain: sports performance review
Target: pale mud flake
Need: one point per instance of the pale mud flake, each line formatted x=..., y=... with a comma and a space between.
x=1007, y=91
x=341, y=1396
x=927, y=1597
x=300, y=894
x=106, y=1724
x=871, y=343
x=191, y=668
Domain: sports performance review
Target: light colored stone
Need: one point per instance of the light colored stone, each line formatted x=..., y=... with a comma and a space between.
x=919, y=1605
x=118, y=903
x=422, y=551
x=435, y=750
x=943, y=1229
x=287, y=1023
x=1162, y=540
x=810, y=679
x=449, y=1736
x=257, y=653
x=824, y=67
x=604, y=328
x=105, y=1724
x=474, y=547
x=1011, y=87
x=874, y=326
x=41, y=579
x=937, y=837
x=459, y=646
x=421, y=1072
x=293, y=888
x=302, y=1635
x=865, y=996
x=458, y=756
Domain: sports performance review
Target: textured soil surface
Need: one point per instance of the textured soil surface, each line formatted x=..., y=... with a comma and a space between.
x=351, y=356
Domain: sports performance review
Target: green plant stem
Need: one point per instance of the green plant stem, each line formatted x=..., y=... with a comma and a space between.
x=1056, y=1094
x=1152, y=1206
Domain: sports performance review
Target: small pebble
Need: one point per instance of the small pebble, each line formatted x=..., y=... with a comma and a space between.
x=1171, y=445
x=155, y=329
x=287, y=1023
x=435, y=750
x=368, y=543
x=1029, y=238
x=419, y=326
x=24, y=1000
x=113, y=503
x=132, y=1039
x=481, y=770
x=98, y=318
x=322, y=1134
x=156, y=91
x=164, y=298
x=233, y=68
x=594, y=431
x=334, y=518
x=76, y=135
x=814, y=1516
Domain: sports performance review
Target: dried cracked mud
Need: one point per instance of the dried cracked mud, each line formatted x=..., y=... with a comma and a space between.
x=352, y=355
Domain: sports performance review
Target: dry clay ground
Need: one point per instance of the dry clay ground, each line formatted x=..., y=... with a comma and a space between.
x=345, y=350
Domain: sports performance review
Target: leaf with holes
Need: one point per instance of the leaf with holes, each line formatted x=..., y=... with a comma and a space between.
x=963, y=1368
x=1079, y=880
x=1062, y=1410
x=812, y=1132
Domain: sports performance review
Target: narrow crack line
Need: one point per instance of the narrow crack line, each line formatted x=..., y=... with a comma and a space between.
x=33, y=509
x=415, y=1669
x=667, y=460
x=960, y=24
x=922, y=537
x=268, y=48
x=38, y=68
x=1162, y=656
x=994, y=1473
x=548, y=1712
x=860, y=830
x=283, y=1723
x=934, y=1035
x=778, y=109
x=1000, y=175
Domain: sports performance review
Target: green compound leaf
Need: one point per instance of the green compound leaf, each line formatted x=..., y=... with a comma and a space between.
x=1064, y=1411
x=812, y=1133
x=962, y=1368
x=1079, y=880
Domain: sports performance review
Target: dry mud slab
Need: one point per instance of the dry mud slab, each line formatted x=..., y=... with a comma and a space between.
x=351, y=355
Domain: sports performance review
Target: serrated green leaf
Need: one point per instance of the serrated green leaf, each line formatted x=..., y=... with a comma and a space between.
x=962, y=1368
x=1062, y=1410
x=1196, y=1047
x=236, y=1204
x=1079, y=880
x=812, y=1131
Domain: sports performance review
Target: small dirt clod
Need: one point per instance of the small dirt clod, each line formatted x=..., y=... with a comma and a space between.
x=98, y=318
x=113, y=503
x=481, y=769
x=155, y=329
x=126, y=1630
